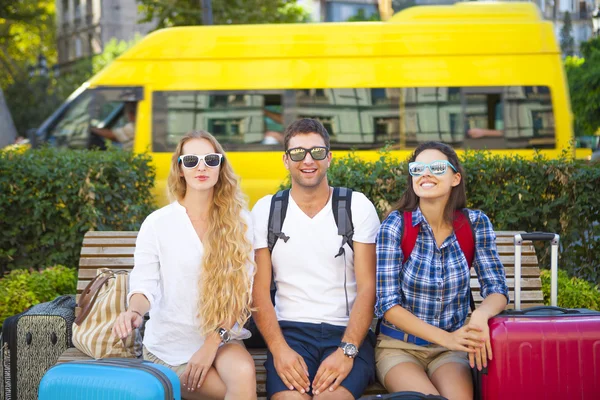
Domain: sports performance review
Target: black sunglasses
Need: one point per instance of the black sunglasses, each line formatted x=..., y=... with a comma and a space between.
x=317, y=153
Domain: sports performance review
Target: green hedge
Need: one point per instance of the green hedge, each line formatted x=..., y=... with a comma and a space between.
x=558, y=195
x=572, y=292
x=51, y=197
x=21, y=289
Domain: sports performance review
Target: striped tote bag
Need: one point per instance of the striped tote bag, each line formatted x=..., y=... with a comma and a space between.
x=103, y=299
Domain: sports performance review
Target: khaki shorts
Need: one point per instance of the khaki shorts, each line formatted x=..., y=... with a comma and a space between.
x=391, y=352
x=178, y=369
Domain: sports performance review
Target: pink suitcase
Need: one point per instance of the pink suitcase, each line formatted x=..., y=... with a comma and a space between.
x=543, y=352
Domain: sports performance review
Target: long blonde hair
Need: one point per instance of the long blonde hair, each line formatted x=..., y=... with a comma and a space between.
x=225, y=282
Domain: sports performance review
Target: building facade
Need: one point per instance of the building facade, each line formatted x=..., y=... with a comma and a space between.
x=85, y=26
x=337, y=11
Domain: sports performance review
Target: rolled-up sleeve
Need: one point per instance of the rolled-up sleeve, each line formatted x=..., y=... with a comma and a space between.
x=490, y=271
x=145, y=277
x=389, y=262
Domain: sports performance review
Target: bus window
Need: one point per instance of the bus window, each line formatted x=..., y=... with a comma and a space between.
x=113, y=114
x=248, y=120
x=96, y=108
x=362, y=118
x=483, y=110
x=71, y=130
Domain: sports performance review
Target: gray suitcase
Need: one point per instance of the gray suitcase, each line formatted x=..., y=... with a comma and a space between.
x=31, y=343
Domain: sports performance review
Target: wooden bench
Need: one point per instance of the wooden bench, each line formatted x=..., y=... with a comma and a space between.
x=115, y=250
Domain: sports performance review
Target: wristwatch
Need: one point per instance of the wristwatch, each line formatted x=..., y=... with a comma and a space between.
x=224, y=334
x=350, y=350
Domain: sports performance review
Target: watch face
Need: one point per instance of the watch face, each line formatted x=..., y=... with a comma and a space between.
x=225, y=336
x=350, y=350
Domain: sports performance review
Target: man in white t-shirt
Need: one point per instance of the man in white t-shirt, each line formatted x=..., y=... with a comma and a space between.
x=318, y=331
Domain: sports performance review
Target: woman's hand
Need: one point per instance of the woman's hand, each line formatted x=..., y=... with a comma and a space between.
x=125, y=323
x=479, y=326
x=197, y=368
x=466, y=339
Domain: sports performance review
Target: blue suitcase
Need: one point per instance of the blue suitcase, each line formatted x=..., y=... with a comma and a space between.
x=110, y=378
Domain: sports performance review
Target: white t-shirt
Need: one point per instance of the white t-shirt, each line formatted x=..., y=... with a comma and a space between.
x=125, y=135
x=308, y=276
x=167, y=258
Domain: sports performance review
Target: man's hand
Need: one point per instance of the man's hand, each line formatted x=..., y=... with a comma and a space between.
x=291, y=368
x=478, y=324
x=197, y=368
x=332, y=371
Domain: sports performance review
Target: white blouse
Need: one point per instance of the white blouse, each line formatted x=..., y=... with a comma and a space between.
x=166, y=270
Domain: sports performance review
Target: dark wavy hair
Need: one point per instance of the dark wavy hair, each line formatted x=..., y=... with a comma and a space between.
x=458, y=196
x=304, y=126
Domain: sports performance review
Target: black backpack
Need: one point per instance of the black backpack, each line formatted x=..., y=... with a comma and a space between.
x=341, y=204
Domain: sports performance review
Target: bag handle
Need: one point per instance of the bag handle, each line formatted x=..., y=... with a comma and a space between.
x=90, y=293
x=543, y=308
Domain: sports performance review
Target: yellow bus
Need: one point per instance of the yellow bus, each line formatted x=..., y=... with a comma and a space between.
x=474, y=75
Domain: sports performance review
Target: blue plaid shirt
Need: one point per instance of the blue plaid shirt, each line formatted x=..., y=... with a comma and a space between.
x=433, y=284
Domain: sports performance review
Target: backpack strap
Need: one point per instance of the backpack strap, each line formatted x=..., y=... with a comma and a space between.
x=464, y=234
x=342, y=213
x=279, y=205
x=466, y=240
x=409, y=235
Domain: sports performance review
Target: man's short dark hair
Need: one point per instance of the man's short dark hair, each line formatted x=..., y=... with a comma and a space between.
x=305, y=126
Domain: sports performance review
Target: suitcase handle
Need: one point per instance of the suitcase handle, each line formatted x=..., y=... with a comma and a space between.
x=553, y=238
x=538, y=236
x=543, y=308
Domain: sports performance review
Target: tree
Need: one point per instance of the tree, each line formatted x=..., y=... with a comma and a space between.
x=189, y=12
x=567, y=43
x=27, y=29
x=583, y=76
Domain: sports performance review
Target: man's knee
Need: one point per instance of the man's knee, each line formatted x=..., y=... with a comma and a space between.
x=290, y=395
x=341, y=393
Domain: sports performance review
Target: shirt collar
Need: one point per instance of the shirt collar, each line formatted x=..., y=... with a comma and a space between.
x=417, y=217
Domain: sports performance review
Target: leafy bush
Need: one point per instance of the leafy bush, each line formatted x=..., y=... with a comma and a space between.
x=558, y=195
x=51, y=197
x=22, y=289
x=572, y=292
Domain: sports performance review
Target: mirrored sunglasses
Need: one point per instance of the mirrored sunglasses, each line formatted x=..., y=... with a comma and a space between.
x=317, y=153
x=437, y=167
x=212, y=160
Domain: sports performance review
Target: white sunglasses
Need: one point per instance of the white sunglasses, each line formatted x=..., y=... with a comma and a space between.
x=190, y=161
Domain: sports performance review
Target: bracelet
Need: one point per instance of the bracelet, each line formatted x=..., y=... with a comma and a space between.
x=137, y=313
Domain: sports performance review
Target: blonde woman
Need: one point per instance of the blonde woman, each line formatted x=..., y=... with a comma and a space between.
x=193, y=271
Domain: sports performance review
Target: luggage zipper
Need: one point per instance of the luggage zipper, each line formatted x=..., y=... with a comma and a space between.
x=127, y=363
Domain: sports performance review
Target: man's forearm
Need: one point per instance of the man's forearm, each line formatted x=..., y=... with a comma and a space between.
x=360, y=317
x=266, y=321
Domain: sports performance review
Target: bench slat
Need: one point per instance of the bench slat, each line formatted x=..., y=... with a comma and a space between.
x=89, y=271
x=107, y=251
x=109, y=234
x=101, y=262
x=91, y=242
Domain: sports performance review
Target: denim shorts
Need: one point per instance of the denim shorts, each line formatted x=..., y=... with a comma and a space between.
x=315, y=342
